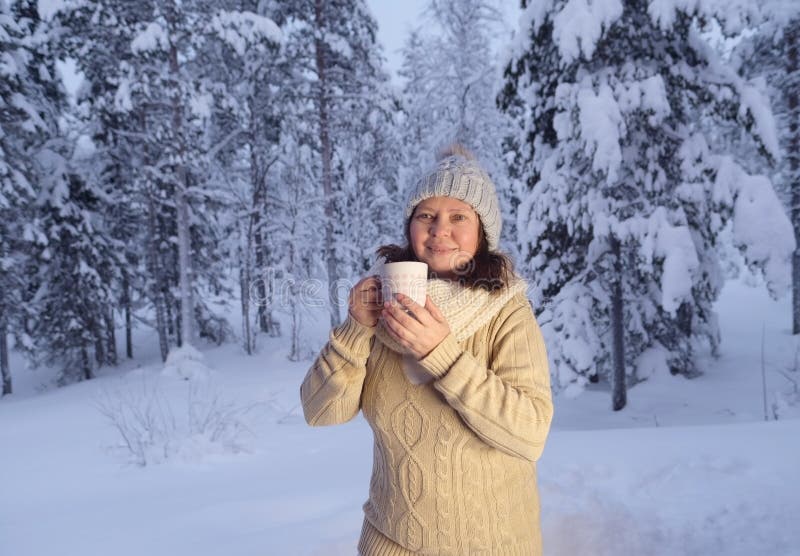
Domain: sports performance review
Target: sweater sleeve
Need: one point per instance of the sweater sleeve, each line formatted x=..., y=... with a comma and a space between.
x=331, y=390
x=508, y=405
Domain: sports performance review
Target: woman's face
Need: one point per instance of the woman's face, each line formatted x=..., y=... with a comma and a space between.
x=444, y=234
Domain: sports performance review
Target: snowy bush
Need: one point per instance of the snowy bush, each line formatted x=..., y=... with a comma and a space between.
x=154, y=427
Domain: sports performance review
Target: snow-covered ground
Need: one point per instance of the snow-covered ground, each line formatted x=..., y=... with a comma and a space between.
x=689, y=467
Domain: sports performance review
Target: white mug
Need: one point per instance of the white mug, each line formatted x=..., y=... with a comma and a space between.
x=407, y=277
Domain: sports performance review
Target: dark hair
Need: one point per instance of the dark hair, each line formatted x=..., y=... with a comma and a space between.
x=488, y=270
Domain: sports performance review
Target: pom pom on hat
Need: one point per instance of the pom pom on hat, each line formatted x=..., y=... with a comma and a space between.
x=457, y=174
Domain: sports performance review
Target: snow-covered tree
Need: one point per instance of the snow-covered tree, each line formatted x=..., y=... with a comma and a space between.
x=336, y=43
x=99, y=40
x=450, y=72
x=176, y=80
x=69, y=259
x=261, y=75
x=625, y=196
x=451, y=78
x=773, y=54
x=74, y=327
x=300, y=205
x=19, y=125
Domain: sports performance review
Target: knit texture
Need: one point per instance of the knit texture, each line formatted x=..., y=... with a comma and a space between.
x=461, y=178
x=465, y=309
x=454, y=460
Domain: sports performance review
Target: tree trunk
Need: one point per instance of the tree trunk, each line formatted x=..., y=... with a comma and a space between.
x=327, y=155
x=95, y=328
x=294, y=353
x=126, y=307
x=618, y=387
x=5, y=369
x=161, y=325
x=255, y=232
x=160, y=301
x=85, y=363
x=182, y=213
x=178, y=335
x=111, y=338
x=793, y=152
x=244, y=292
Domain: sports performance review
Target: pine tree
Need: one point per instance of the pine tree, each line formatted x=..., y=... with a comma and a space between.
x=260, y=73
x=99, y=39
x=773, y=53
x=177, y=83
x=337, y=43
x=451, y=77
x=70, y=271
x=301, y=205
x=19, y=125
x=625, y=198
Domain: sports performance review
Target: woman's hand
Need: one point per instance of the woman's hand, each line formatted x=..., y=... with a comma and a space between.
x=365, y=301
x=421, y=331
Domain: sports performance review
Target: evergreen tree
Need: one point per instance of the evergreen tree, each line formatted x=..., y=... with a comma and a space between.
x=336, y=40
x=300, y=203
x=773, y=53
x=451, y=77
x=19, y=125
x=69, y=273
x=99, y=39
x=177, y=82
x=625, y=198
x=259, y=73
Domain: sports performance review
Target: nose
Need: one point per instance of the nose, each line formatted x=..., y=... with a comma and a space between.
x=440, y=227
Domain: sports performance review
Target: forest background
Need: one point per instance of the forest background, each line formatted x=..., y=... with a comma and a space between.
x=258, y=153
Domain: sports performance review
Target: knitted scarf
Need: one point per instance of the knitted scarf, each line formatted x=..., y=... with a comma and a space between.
x=465, y=309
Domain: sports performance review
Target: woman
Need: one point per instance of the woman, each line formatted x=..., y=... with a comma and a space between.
x=457, y=392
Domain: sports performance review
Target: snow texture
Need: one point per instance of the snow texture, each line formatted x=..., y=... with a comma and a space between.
x=689, y=467
x=152, y=38
x=580, y=24
x=761, y=227
x=675, y=246
x=242, y=29
x=186, y=363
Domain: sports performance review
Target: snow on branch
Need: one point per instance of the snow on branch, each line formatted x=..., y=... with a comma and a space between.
x=240, y=29
x=338, y=44
x=674, y=245
x=754, y=100
x=48, y=9
x=580, y=24
x=602, y=126
x=733, y=15
x=153, y=38
x=761, y=229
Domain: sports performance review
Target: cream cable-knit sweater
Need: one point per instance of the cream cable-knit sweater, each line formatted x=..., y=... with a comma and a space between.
x=454, y=468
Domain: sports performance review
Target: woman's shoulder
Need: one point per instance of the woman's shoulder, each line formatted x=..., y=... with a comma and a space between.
x=518, y=304
x=517, y=308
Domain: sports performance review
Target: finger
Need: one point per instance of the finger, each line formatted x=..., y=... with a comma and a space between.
x=418, y=311
x=394, y=328
x=368, y=287
x=369, y=297
x=397, y=312
x=433, y=309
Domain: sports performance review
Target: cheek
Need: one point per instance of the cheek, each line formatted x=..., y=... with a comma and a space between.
x=416, y=232
x=470, y=240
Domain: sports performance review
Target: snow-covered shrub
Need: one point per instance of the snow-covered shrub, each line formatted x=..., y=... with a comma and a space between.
x=155, y=425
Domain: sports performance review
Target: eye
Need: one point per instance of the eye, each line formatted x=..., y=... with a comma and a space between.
x=423, y=216
x=459, y=217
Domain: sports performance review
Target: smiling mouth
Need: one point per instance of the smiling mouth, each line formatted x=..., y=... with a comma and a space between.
x=438, y=251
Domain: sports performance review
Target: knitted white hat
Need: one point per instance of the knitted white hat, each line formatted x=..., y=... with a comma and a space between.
x=458, y=175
